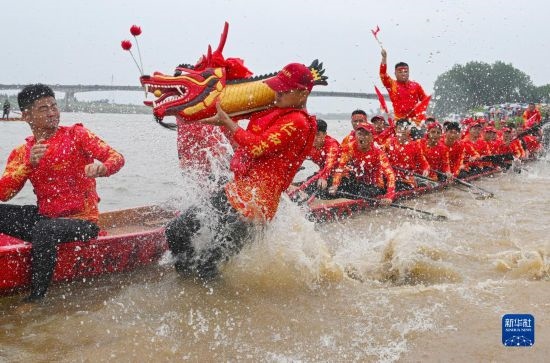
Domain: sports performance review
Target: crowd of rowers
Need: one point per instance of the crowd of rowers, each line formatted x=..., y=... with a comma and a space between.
x=379, y=158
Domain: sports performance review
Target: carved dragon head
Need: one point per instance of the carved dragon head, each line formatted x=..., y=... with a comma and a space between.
x=192, y=92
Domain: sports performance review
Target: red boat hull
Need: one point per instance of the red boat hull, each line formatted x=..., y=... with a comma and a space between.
x=134, y=238
x=331, y=209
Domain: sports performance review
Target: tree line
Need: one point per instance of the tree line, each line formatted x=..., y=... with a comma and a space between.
x=475, y=84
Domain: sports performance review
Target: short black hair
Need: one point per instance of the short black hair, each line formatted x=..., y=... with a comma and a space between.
x=401, y=64
x=31, y=93
x=430, y=119
x=321, y=125
x=452, y=126
x=359, y=112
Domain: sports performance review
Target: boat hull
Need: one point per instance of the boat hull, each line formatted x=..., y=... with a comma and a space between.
x=135, y=237
x=328, y=210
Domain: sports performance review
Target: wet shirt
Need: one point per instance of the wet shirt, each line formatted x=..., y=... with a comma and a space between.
x=437, y=157
x=403, y=95
x=406, y=156
x=348, y=140
x=326, y=157
x=456, y=156
x=62, y=189
x=471, y=156
x=532, y=143
x=514, y=148
x=269, y=153
x=370, y=167
x=531, y=118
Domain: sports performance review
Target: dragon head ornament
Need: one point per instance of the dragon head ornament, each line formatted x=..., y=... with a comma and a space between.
x=192, y=92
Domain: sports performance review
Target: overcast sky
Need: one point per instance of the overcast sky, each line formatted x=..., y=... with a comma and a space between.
x=78, y=42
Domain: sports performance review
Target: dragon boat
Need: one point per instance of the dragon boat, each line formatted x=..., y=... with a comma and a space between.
x=326, y=210
x=128, y=239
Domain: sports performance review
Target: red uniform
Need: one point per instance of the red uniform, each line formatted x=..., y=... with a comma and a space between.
x=62, y=188
x=381, y=138
x=513, y=147
x=456, y=157
x=531, y=118
x=348, y=140
x=437, y=156
x=406, y=156
x=371, y=167
x=471, y=155
x=532, y=143
x=403, y=95
x=326, y=157
x=269, y=153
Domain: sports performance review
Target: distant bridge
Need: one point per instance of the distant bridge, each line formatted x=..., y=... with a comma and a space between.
x=71, y=90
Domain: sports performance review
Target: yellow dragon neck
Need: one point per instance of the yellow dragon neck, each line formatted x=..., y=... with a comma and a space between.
x=246, y=97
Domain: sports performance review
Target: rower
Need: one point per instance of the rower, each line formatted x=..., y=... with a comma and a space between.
x=531, y=116
x=59, y=161
x=268, y=155
x=510, y=145
x=456, y=148
x=364, y=169
x=474, y=147
x=324, y=153
x=357, y=116
x=405, y=153
x=490, y=135
x=435, y=152
x=382, y=132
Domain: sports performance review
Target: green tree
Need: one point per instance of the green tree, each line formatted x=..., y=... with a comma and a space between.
x=477, y=83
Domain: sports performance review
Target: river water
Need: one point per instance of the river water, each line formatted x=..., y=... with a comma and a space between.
x=421, y=291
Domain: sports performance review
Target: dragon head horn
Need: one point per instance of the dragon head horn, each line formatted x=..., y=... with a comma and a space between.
x=317, y=71
x=209, y=56
x=223, y=38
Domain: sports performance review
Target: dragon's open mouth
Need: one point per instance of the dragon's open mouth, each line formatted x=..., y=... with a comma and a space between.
x=165, y=94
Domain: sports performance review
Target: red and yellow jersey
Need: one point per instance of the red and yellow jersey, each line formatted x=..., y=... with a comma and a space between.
x=269, y=153
x=532, y=143
x=480, y=145
x=370, y=167
x=531, y=118
x=456, y=157
x=61, y=186
x=381, y=138
x=326, y=157
x=471, y=156
x=437, y=157
x=493, y=146
x=513, y=148
x=406, y=156
x=403, y=95
x=348, y=140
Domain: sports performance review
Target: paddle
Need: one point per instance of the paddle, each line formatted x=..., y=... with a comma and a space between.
x=430, y=216
x=307, y=200
x=480, y=195
x=485, y=192
x=416, y=175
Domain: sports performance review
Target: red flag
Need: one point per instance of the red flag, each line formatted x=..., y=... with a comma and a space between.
x=375, y=31
x=419, y=111
x=381, y=99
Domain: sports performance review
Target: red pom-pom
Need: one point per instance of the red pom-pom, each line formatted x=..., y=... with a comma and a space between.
x=135, y=30
x=126, y=44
